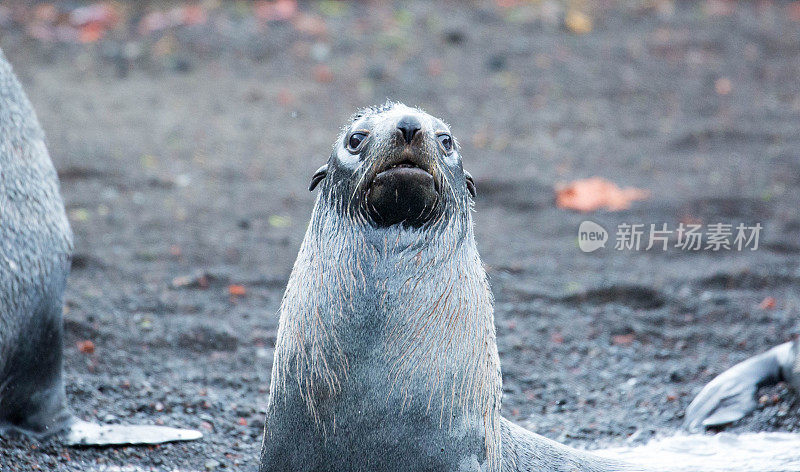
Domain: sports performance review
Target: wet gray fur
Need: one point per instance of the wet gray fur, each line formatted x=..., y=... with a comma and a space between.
x=386, y=358
x=35, y=249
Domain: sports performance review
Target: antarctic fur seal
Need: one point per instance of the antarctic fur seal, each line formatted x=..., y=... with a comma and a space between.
x=35, y=254
x=731, y=395
x=386, y=357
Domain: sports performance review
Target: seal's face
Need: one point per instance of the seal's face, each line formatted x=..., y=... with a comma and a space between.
x=396, y=165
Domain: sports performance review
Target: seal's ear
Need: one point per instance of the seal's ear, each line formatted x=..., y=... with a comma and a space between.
x=318, y=176
x=470, y=184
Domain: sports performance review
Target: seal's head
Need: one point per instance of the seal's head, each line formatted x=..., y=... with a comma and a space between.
x=395, y=165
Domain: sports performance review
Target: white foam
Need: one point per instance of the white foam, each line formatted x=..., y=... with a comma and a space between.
x=751, y=452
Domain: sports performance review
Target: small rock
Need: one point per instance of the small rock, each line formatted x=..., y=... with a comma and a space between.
x=376, y=72
x=496, y=63
x=454, y=37
x=182, y=65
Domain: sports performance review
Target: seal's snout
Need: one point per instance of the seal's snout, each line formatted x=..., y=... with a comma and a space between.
x=402, y=193
x=404, y=189
x=408, y=127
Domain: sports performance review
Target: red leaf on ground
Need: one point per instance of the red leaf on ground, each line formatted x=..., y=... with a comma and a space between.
x=591, y=194
x=622, y=339
x=310, y=24
x=767, y=303
x=507, y=3
x=280, y=10
x=237, y=290
x=194, y=15
x=91, y=32
x=86, y=347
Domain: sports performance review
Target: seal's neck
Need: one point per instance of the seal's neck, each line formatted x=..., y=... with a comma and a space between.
x=415, y=302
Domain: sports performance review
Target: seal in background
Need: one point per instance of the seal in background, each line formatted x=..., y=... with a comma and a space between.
x=35, y=254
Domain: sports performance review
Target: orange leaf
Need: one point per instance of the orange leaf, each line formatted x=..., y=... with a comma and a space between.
x=86, y=347
x=594, y=193
x=622, y=339
x=91, y=32
x=237, y=290
x=767, y=303
x=280, y=10
x=578, y=22
x=310, y=24
x=194, y=15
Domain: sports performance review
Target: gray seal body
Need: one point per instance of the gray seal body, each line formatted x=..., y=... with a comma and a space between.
x=35, y=254
x=35, y=251
x=386, y=358
x=731, y=395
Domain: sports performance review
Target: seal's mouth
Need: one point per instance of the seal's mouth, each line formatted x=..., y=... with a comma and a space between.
x=403, y=191
x=404, y=170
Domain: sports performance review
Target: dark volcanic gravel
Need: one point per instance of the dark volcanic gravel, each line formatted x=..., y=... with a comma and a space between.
x=187, y=174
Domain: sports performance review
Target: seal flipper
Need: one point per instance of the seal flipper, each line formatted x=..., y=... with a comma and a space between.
x=525, y=451
x=32, y=397
x=33, y=401
x=731, y=395
x=82, y=433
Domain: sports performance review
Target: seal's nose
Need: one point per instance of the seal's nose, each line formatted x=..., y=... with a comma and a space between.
x=408, y=126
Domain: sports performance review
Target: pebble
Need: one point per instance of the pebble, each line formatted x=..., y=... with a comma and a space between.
x=320, y=51
x=455, y=36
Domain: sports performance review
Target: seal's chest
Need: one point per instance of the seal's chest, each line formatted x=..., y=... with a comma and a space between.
x=366, y=426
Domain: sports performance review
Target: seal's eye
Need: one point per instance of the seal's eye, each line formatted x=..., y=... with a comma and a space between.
x=355, y=140
x=446, y=142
